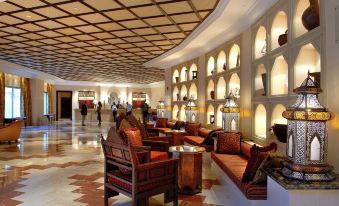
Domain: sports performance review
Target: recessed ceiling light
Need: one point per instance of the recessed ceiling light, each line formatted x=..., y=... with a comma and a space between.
x=28, y=16
x=75, y=8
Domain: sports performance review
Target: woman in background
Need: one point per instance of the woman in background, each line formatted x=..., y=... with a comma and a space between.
x=114, y=110
x=83, y=114
x=99, y=112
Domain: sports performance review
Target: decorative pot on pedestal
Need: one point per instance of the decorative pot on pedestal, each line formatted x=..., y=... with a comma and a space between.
x=264, y=82
x=224, y=66
x=311, y=17
x=184, y=98
x=212, y=94
x=176, y=79
x=178, y=97
x=283, y=38
x=280, y=131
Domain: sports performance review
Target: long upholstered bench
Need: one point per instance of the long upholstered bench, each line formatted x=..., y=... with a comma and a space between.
x=234, y=166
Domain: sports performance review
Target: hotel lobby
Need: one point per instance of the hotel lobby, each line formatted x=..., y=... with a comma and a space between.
x=169, y=102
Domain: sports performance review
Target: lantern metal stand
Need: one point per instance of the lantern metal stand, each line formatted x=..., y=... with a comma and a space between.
x=161, y=109
x=191, y=111
x=306, y=149
x=231, y=115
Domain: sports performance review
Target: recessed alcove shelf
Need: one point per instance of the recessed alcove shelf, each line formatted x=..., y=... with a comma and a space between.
x=260, y=47
x=193, y=91
x=210, y=66
x=234, y=84
x=184, y=74
x=221, y=88
x=308, y=59
x=175, y=111
x=210, y=87
x=234, y=57
x=260, y=81
x=193, y=69
x=260, y=121
x=176, y=77
x=183, y=113
x=221, y=62
x=183, y=92
x=209, y=112
x=175, y=94
x=300, y=7
x=279, y=77
x=276, y=117
x=279, y=27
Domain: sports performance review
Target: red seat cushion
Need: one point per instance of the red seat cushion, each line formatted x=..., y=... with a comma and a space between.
x=194, y=140
x=158, y=156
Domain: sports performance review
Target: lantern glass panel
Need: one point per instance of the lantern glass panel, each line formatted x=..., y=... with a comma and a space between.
x=315, y=149
x=290, y=146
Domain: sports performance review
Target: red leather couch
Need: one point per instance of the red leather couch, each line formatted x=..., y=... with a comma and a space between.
x=202, y=137
x=234, y=166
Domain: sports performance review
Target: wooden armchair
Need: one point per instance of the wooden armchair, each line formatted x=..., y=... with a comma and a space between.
x=128, y=171
x=11, y=132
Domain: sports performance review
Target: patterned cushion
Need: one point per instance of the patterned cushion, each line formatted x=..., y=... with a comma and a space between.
x=133, y=136
x=119, y=183
x=161, y=123
x=258, y=155
x=192, y=128
x=228, y=143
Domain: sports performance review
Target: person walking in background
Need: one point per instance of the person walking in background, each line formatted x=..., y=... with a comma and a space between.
x=99, y=113
x=114, y=111
x=145, y=108
x=83, y=114
x=128, y=109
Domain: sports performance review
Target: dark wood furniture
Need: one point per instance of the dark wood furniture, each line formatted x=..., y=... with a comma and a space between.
x=176, y=137
x=129, y=171
x=190, y=168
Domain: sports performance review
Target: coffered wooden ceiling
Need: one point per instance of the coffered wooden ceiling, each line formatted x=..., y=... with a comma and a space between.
x=96, y=40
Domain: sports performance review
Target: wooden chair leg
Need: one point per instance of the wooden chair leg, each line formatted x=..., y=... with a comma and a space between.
x=141, y=201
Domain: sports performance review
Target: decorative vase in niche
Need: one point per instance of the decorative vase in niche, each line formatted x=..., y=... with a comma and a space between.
x=264, y=80
x=280, y=131
x=194, y=74
x=283, y=38
x=212, y=72
x=238, y=60
x=178, y=98
x=224, y=67
x=311, y=17
x=212, y=94
x=186, y=75
x=176, y=79
x=184, y=98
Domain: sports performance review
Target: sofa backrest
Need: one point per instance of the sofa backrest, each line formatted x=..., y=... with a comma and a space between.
x=246, y=149
x=203, y=132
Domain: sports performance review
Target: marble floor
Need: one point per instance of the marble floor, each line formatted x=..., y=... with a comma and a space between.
x=63, y=165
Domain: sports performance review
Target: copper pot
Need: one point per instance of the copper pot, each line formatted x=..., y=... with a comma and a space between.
x=212, y=94
x=311, y=17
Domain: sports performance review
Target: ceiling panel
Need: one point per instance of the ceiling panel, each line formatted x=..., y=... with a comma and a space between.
x=96, y=40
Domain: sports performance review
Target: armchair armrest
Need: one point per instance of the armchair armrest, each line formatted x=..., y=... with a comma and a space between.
x=156, y=145
x=162, y=163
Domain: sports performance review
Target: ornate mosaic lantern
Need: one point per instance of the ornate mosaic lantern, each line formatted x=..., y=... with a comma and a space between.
x=191, y=111
x=230, y=116
x=161, y=109
x=307, y=136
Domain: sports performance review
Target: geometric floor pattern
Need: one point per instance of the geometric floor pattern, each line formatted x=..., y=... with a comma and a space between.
x=62, y=165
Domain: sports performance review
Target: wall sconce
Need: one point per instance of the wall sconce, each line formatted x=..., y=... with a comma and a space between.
x=191, y=111
x=306, y=149
x=231, y=115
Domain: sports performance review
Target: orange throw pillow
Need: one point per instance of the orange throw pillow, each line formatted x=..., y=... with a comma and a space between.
x=229, y=143
x=133, y=136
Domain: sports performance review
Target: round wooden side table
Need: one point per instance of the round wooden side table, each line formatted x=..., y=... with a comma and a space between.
x=190, y=168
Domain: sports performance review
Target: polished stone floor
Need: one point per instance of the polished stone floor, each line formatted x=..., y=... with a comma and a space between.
x=63, y=165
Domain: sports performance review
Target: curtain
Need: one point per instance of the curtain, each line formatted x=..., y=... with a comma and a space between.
x=49, y=93
x=26, y=94
x=2, y=97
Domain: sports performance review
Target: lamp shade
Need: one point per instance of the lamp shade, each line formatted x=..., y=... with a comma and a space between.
x=306, y=148
x=191, y=111
x=161, y=109
x=231, y=116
